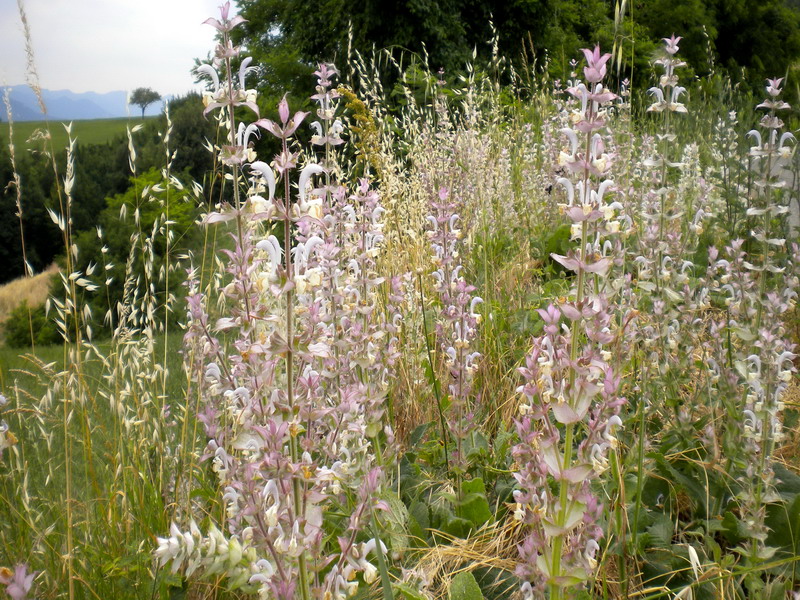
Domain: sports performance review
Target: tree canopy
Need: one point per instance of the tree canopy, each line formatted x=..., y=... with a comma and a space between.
x=751, y=38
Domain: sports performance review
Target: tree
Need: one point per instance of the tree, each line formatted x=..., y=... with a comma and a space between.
x=144, y=97
x=288, y=36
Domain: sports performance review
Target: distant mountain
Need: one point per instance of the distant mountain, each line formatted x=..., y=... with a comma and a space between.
x=64, y=105
x=21, y=112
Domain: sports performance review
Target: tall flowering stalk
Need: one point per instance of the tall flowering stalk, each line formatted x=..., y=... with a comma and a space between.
x=288, y=425
x=667, y=95
x=457, y=322
x=756, y=315
x=351, y=227
x=567, y=423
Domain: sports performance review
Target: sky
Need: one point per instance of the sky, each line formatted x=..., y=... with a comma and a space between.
x=108, y=45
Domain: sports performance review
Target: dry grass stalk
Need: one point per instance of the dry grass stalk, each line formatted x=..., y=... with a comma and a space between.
x=494, y=546
x=30, y=68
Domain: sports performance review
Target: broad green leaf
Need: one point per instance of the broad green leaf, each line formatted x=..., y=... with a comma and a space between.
x=464, y=587
x=475, y=445
x=458, y=527
x=418, y=434
x=178, y=593
x=419, y=521
x=661, y=531
x=474, y=506
x=403, y=590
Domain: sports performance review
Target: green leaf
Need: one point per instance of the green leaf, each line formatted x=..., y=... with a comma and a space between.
x=403, y=590
x=418, y=434
x=178, y=593
x=474, y=505
x=783, y=521
x=496, y=583
x=788, y=483
x=464, y=587
x=458, y=527
x=502, y=447
x=394, y=519
x=419, y=521
x=733, y=529
x=691, y=486
x=476, y=445
x=661, y=531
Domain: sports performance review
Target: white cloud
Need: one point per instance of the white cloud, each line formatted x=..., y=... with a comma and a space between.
x=107, y=45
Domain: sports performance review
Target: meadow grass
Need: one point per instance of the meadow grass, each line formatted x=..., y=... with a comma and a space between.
x=86, y=131
x=107, y=473
x=20, y=367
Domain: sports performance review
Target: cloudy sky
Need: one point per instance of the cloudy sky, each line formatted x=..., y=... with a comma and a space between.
x=107, y=45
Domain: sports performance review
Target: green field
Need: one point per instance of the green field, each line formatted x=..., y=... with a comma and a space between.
x=92, y=131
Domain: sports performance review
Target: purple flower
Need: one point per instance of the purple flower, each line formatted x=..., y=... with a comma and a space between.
x=19, y=583
x=774, y=86
x=595, y=70
x=672, y=43
x=225, y=25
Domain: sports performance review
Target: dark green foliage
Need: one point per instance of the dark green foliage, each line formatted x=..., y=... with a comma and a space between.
x=42, y=238
x=189, y=130
x=288, y=36
x=186, y=141
x=126, y=244
x=763, y=38
x=24, y=321
x=101, y=171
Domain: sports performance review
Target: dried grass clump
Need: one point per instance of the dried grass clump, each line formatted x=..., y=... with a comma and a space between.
x=494, y=546
x=789, y=453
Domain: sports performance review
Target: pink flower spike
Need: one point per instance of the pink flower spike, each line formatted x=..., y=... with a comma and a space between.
x=236, y=21
x=596, y=64
x=20, y=584
x=297, y=119
x=569, y=311
x=225, y=25
x=283, y=110
x=567, y=262
x=224, y=9
x=270, y=126
x=672, y=44
x=774, y=86
x=600, y=267
x=550, y=315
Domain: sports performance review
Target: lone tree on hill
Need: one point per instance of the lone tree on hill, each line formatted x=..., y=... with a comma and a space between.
x=143, y=97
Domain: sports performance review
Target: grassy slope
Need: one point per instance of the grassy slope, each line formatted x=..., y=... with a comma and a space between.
x=93, y=131
x=32, y=290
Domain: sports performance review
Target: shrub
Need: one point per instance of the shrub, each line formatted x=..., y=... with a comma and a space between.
x=26, y=324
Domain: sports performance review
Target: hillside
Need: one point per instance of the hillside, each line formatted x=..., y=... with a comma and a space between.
x=93, y=131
